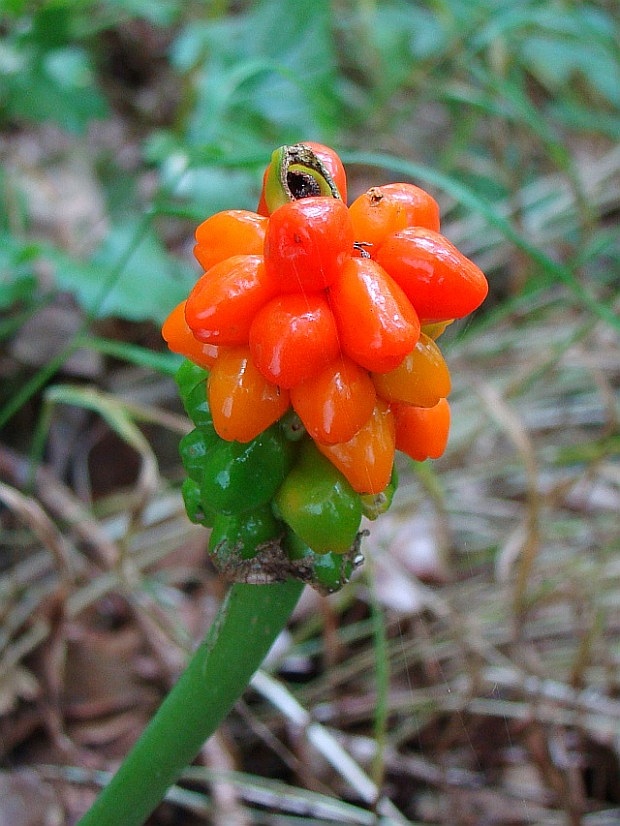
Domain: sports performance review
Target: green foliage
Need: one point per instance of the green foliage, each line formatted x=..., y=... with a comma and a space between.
x=48, y=70
x=246, y=89
x=130, y=276
x=250, y=82
x=17, y=281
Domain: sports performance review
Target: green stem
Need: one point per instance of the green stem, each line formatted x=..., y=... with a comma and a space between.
x=244, y=630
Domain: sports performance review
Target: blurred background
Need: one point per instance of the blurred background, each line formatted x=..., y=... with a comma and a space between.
x=470, y=673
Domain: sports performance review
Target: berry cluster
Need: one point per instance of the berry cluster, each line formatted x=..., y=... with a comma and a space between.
x=313, y=331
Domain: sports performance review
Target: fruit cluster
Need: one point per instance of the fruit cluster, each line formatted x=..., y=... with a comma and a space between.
x=312, y=358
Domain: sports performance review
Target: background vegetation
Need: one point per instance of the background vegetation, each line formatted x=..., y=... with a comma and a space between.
x=470, y=674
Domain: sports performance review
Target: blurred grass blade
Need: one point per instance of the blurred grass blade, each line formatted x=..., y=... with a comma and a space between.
x=115, y=413
x=166, y=363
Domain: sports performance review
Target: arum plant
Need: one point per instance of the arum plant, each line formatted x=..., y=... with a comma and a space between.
x=310, y=358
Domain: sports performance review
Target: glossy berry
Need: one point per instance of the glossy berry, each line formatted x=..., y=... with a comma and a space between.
x=192, y=383
x=421, y=379
x=222, y=305
x=334, y=404
x=376, y=322
x=239, y=478
x=440, y=281
x=227, y=233
x=194, y=507
x=318, y=503
x=422, y=432
x=383, y=210
x=293, y=337
x=180, y=339
x=307, y=243
x=194, y=447
x=243, y=403
x=367, y=459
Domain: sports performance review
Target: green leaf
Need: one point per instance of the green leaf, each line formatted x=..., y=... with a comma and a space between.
x=58, y=88
x=263, y=77
x=52, y=24
x=18, y=288
x=158, y=12
x=13, y=7
x=206, y=190
x=47, y=72
x=17, y=282
x=403, y=33
x=131, y=276
x=556, y=61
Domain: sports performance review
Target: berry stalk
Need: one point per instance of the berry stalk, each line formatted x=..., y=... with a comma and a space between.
x=244, y=630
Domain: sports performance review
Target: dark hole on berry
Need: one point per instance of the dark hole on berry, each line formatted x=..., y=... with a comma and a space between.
x=361, y=247
x=302, y=185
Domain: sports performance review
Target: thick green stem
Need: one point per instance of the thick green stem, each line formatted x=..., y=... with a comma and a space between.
x=246, y=626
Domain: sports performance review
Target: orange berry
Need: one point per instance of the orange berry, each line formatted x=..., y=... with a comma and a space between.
x=242, y=402
x=224, y=301
x=422, y=432
x=180, y=339
x=386, y=209
x=307, y=242
x=421, y=379
x=377, y=324
x=367, y=459
x=293, y=337
x=334, y=404
x=436, y=277
x=231, y=232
